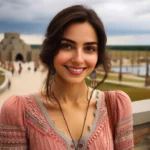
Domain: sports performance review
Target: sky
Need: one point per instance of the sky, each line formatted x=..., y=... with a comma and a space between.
x=127, y=22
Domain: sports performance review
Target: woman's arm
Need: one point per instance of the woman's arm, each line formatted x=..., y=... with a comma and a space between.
x=124, y=125
x=12, y=124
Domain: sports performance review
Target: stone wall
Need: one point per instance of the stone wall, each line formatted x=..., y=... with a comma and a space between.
x=142, y=136
x=141, y=121
x=12, y=35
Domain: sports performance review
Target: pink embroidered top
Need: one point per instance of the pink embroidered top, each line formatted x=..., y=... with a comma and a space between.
x=26, y=125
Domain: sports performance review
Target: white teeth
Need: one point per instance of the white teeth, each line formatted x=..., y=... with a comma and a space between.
x=75, y=70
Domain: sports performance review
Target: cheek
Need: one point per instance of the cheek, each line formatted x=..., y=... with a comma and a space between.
x=60, y=58
x=93, y=61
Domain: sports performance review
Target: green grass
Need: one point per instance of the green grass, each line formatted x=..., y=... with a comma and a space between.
x=124, y=78
x=115, y=78
x=2, y=78
x=134, y=93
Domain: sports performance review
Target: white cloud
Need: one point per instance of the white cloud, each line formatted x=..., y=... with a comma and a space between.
x=129, y=40
x=123, y=16
x=32, y=39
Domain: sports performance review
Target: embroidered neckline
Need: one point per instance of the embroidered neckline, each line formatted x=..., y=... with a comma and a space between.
x=92, y=127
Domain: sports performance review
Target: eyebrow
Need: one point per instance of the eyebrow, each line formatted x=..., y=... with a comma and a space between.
x=73, y=42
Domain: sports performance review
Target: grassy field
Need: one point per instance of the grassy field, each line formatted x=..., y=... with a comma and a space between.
x=1, y=78
x=114, y=77
x=134, y=93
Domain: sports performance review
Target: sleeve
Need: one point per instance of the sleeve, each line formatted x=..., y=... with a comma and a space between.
x=124, y=125
x=12, y=124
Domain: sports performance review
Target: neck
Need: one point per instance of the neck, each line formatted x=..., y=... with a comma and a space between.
x=70, y=93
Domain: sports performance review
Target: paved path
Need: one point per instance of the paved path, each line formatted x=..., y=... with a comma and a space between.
x=25, y=83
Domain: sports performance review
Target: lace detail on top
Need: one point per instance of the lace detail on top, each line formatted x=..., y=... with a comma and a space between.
x=102, y=120
x=13, y=135
x=83, y=142
x=36, y=119
x=34, y=115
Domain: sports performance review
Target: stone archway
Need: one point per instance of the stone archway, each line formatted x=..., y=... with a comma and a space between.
x=19, y=57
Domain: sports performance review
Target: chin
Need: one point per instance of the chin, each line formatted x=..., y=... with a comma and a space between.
x=75, y=81
x=72, y=80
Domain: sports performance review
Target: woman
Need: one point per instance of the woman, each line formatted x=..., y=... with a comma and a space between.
x=69, y=114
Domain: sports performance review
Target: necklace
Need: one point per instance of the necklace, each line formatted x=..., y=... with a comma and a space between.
x=76, y=148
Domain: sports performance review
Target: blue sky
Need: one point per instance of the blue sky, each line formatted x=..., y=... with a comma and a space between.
x=127, y=22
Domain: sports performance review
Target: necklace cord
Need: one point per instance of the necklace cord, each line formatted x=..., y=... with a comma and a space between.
x=76, y=148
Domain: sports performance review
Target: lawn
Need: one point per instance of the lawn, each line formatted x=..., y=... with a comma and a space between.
x=124, y=78
x=134, y=93
x=2, y=78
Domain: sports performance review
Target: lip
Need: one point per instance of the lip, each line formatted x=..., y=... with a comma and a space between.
x=75, y=70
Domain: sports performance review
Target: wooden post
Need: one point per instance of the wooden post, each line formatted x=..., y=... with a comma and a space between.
x=120, y=71
x=147, y=78
x=138, y=63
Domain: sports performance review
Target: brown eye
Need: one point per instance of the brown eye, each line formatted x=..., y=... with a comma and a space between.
x=90, y=48
x=66, y=46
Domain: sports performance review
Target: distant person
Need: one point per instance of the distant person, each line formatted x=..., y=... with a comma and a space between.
x=9, y=84
x=19, y=70
x=35, y=69
x=20, y=65
x=69, y=114
x=12, y=69
x=29, y=68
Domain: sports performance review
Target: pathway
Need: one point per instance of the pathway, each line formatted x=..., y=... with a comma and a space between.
x=25, y=83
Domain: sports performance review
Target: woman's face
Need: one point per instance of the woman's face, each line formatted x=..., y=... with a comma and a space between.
x=78, y=53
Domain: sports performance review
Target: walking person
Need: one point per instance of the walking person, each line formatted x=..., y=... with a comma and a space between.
x=69, y=114
x=12, y=69
x=19, y=70
x=9, y=84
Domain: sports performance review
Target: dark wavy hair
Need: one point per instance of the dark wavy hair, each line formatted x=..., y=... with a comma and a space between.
x=55, y=30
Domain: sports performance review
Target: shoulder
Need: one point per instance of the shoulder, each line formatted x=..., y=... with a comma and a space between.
x=118, y=94
x=12, y=103
x=121, y=98
x=17, y=101
x=122, y=104
x=12, y=111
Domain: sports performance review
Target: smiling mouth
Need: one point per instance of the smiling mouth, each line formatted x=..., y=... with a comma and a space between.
x=75, y=70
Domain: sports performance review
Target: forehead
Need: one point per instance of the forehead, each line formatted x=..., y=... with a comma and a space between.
x=80, y=32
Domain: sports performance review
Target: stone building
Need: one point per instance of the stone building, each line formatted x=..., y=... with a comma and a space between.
x=12, y=48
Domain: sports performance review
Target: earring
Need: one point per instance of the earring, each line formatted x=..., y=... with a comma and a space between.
x=93, y=78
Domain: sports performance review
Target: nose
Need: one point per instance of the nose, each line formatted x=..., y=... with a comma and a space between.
x=78, y=57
